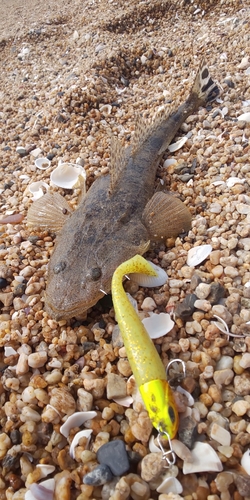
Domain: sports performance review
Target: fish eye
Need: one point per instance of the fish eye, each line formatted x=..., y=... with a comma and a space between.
x=58, y=268
x=171, y=414
x=96, y=273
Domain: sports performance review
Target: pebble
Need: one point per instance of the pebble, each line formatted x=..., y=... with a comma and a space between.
x=151, y=466
x=114, y=455
x=62, y=400
x=241, y=407
x=223, y=481
x=37, y=359
x=187, y=431
x=242, y=384
x=7, y=298
x=116, y=386
x=245, y=360
x=203, y=305
x=224, y=362
x=100, y=475
x=217, y=292
x=202, y=290
x=186, y=308
x=222, y=312
x=220, y=434
x=85, y=400
x=148, y=304
x=223, y=377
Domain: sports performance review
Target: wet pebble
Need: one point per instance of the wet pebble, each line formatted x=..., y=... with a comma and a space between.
x=114, y=455
x=98, y=476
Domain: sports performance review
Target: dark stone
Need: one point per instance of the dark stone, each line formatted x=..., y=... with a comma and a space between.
x=33, y=239
x=16, y=436
x=217, y=292
x=3, y=283
x=229, y=83
x=170, y=53
x=7, y=148
x=114, y=455
x=117, y=340
x=60, y=94
x=186, y=308
x=100, y=475
x=195, y=281
x=87, y=346
x=188, y=431
x=50, y=156
x=19, y=289
x=9, y=461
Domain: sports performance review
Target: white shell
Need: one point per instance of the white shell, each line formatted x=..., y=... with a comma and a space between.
x=106, y=109
x=68, y=176
x=150, y=281
x=158, y=325
x=152, y=446
x=170, y=485
x=76, y=420
x=245, y=117
x=86, y=433
x=186, y=393
x=231, y=181
x=196, y=255
x=42, y=163
x=126, y=401
x=205, y=459
x=37, y=189
x=168, y=162
x=45, y=469
x=177, y=145
x=245, y=461
x=9, y=351
x=46, y=490
x=218, y=183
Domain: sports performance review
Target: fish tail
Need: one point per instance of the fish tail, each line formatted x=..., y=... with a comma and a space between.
x=204, y=88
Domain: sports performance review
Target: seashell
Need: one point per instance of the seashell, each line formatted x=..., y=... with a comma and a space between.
x=106, y=109
x=152, y=446
x=205, y=459
x=246, y=103
x=247, y=284
x=231, y=181
x=178, y=144
x=9, y=351
x=24, y=52
x=126, y=401
x=42, y=163
x=168, y=162
x=158, y=325
x=150, y=281
x=196, y=255
x=40, y=491
x=244, y=118
x=186, y=393
x=170, y=485
x=68, y=176
x=37, y=189
x=76, y=420
x=247, y=72
x=244, y=63
x=181, y=450
x=86, y=433
x=242, y=208
x=45, y=469
x=218, y=183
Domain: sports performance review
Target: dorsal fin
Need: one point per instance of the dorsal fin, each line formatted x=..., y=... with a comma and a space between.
x=118, y=158
x=144, y=130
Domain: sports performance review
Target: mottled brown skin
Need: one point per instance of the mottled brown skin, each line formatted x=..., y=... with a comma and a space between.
x=107, y=228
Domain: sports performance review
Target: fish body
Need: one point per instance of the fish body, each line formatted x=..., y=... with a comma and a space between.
x=119, y=215
x=145, y=362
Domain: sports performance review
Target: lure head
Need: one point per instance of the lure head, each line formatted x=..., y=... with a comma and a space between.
x=160, y=404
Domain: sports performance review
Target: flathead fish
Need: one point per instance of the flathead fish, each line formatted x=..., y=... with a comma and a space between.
x=120, y=214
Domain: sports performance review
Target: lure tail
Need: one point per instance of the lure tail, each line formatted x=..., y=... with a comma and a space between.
x=204, y=88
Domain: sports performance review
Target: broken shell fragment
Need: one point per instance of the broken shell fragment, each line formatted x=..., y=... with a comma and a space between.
x=178, y=144
x=245, y=461
x=170, y=485
x=196, y=255
x=231, y=181
x=205, y=459
x=42, y=163
x=68, y=176
x=38, y=189
x=45, y=469
x=86, y=433
x=41, y=491
x=76, y=420
x=244, y=118
x=125, y=401
x=150, y=281
x=158, y=325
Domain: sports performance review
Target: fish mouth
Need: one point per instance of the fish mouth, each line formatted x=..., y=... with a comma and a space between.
x=67, y=313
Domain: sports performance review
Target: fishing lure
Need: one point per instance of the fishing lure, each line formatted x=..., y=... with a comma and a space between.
x=145, y=362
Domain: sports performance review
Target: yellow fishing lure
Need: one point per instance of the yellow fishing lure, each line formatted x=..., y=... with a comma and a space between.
x=145, y=362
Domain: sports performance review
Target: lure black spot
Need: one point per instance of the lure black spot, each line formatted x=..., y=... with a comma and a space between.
x=58, y=268
x=204, y=73
x=153, y=398
x=171, y=414
x=96, y=273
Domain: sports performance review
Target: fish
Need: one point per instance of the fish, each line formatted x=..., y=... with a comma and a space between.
x=144, y=360
x=120, y=215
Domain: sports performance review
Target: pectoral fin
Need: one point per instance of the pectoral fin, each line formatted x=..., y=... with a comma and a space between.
x=49, y=212
x=165, y=216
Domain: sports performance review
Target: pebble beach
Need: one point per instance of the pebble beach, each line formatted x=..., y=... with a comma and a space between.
x=72, y=423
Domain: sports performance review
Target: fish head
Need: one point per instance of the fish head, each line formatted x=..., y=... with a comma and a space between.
x=81, y=269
